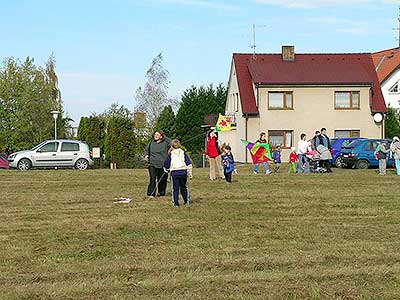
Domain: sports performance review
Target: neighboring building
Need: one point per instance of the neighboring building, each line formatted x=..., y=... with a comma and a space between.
x=287, y=94
x=387, y=64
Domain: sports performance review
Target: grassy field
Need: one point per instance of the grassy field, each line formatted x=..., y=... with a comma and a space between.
x=326, y=236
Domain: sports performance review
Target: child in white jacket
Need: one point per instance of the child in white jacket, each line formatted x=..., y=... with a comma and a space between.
x=180, y=167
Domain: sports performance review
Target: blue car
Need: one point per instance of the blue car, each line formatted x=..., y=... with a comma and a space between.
x=337, y=144
x=360, y=154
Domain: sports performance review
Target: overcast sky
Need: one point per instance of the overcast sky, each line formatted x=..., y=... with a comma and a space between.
x=103, y=48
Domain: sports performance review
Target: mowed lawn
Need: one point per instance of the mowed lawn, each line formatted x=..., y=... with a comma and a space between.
x=325, y=236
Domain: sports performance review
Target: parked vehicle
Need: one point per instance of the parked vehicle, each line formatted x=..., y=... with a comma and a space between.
x=3, y=162
x=360, y=154
x=337, y=144
x=53, y=154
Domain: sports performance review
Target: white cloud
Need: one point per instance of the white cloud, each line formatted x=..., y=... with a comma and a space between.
x=201, y=3
x=319, y=3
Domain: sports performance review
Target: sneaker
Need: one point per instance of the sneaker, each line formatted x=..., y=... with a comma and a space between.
x=255, y=173
x=187, y=204
x=176, y=206
x=150, y=197
x=268, y=172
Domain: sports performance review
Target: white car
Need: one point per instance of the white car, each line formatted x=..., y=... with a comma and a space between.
x=53, y=154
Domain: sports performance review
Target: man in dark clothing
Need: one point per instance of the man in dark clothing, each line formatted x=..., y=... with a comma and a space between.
x=325, y=139
x=156, y=153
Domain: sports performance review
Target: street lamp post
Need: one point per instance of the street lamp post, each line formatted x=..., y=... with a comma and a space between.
x=55, y=116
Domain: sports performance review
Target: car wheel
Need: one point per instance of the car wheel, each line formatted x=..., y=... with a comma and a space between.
x=24, y=164
x=81, y=164
x=339, y=162
x=362, y=164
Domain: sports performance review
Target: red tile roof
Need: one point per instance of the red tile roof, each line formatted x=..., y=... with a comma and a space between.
x=386, y=62
x=307, y=69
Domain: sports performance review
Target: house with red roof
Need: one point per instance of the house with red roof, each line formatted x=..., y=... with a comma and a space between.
x=287, y=94
x=387, y=65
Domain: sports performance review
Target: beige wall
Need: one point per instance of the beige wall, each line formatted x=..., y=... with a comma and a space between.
x=313, y=109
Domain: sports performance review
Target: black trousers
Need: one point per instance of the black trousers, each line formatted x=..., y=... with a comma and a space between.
x=157, y=176
x=228, y=177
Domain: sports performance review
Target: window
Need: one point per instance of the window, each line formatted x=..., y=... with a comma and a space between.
x=236, y=102
x=347, y=133
x=347, y=100
x=371, y=145
x=65, y=147
x=49, y=147
x=280, y=100
x=280, y=137
x=394, y=89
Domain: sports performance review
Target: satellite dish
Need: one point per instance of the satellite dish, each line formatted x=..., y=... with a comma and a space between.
x=378, y=117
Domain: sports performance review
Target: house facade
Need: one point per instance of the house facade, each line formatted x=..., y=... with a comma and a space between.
x=387, y=65
x=287, y=94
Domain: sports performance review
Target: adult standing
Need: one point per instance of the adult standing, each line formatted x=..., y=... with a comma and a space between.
x=381, y=153
x=156, y=152
x=213, y=153
x=302, y=149
x=395, y=149
x=325, y=141
x=262, y=140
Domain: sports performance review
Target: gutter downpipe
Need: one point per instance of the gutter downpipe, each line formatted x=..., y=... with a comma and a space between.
x=245, y=137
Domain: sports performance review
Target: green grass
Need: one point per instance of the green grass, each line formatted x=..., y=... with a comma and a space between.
x=326, y=236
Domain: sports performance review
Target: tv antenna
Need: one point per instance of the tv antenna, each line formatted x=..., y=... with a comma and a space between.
x=398, y=28
x=254, y=46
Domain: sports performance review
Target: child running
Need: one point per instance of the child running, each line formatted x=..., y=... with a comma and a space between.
x=180, y=167
x=293, y=161
x=228, y=163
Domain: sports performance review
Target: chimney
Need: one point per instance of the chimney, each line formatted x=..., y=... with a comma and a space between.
x=288, y=53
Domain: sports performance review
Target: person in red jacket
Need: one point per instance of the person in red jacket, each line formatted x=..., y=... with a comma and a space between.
x=213, y=154
x=293, y=159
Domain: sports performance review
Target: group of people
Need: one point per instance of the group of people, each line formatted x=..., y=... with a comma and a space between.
x=313, y=155
x=165, y=156
x=382, y=154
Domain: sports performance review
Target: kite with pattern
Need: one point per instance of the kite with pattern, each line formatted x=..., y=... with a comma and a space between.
x=224, y=123
x=259, y=152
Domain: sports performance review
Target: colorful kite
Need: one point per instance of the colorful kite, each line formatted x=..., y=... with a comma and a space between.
x=224, y=123
x=259, y=152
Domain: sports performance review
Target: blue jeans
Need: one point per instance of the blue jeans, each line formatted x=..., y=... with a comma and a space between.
x=265, y=166
x=303, y=160
x=398, y=166
x=179, y=184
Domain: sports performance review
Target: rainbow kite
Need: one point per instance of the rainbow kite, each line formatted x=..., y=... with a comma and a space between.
x=259, y=152
x=224, y=123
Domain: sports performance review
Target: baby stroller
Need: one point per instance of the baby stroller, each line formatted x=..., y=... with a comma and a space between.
x=314, y=158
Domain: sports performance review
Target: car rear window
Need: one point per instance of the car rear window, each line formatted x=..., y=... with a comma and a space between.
x=352, y=144
x=345, y=143
x=67, y=146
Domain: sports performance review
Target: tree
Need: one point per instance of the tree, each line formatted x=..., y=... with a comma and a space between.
x=166, y=121
x=392, y=126
x=153, y=97
x=198, y=102
x=120, y=142
x=27, y=96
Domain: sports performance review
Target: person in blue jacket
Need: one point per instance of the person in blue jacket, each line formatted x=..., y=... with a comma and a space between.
x=228, y=163
x=276, y=156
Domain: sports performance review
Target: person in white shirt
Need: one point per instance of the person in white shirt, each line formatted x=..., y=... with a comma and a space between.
x=303, y=148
